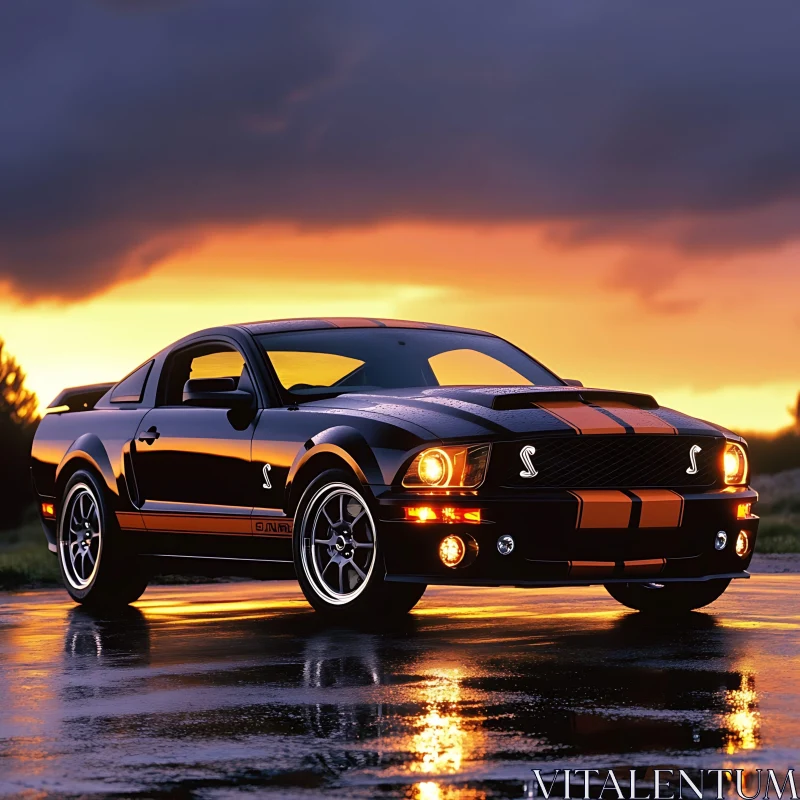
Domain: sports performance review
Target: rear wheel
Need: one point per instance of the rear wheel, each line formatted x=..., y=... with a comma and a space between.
x=667, y=599
x=337, y=554
x=95, y=567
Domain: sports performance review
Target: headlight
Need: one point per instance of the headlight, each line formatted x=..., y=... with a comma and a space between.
x=452, y=467
x=435, y=468
x=735, y=464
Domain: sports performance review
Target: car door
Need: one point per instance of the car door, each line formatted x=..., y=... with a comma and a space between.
x=192, y=462
x=279, y=437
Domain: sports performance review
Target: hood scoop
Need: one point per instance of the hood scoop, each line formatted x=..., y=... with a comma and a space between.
x=519, y=400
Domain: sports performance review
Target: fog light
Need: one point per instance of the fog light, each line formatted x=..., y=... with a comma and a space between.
x=452, y=551
x=505, y=545
x=720, y=540
x=742, y=544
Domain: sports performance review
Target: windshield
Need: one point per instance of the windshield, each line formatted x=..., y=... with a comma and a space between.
x=323, y=363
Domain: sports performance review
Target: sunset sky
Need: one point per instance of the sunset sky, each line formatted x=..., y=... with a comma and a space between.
x=614, y=187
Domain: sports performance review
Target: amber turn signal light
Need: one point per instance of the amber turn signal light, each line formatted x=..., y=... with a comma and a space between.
x=743, y=510
x=446, y=514
x=48, y=510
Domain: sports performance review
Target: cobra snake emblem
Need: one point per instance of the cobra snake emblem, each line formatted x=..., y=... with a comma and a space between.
x=267, y=468
x=693, y=451
x=526, y=454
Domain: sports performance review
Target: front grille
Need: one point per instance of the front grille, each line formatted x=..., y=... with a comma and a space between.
x=612, y=462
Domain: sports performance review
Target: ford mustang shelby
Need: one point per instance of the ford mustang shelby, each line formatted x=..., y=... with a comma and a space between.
x=370, y=458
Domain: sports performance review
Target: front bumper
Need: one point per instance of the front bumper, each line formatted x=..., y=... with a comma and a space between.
x=551, y=549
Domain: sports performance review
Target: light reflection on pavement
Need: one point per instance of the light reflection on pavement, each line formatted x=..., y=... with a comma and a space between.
x=223, y=689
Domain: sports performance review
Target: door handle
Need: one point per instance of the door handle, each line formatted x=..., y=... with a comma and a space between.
x=150, y=435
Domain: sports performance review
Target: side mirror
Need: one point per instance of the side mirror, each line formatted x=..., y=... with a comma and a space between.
x=572, y=382
x=216, y=393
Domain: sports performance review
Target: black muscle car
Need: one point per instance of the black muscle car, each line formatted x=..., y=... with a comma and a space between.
x=370, y=458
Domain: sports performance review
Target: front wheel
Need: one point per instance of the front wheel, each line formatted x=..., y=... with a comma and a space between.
x=667, y=599
x=337, y=555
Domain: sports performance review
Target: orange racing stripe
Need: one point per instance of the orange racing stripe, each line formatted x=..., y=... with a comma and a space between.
x=639, y=419
x=603, y=508
x=649, y=566
x=583, y=418
x=661, y=508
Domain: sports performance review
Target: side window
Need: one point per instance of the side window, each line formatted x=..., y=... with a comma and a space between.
x=466, y=367
x=131, y=389
x=222, y=364
x=204, y=361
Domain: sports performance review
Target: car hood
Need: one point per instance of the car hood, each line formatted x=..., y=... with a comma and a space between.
x=498, y=412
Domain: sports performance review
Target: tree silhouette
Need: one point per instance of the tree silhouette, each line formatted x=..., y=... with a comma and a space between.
x=16, y=401
x=18, y=421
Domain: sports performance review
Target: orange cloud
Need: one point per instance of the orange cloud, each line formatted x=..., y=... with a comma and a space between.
x=722, y=351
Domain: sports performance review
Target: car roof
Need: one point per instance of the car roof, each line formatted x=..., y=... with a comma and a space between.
x=320, y=323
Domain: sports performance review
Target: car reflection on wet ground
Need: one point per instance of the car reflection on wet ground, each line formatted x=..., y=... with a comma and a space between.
x=216, y=690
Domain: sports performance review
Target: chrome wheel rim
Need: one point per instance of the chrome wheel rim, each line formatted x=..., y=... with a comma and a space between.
x=339, y=544
x=80, y=537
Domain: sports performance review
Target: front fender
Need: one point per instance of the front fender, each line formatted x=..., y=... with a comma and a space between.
x=342, y=442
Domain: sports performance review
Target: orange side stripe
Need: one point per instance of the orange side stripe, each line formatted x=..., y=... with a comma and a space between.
x=197, y=523
x=584, y=419
x=603, y=508
x=130, y=520
x=661, y=508
x=639, y=419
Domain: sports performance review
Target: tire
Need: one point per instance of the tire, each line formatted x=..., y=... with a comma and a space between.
x=337, y=554
x=96, y=568
x=667, y=599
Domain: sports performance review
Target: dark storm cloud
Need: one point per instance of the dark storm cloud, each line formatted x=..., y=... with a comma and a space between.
x=126, y=128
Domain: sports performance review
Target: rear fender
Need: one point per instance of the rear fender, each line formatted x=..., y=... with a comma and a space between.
x=89, y=450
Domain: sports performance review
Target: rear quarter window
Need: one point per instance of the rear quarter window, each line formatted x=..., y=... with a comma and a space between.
x=131, y=389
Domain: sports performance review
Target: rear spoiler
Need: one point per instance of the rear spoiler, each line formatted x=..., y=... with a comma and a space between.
x=79, y=398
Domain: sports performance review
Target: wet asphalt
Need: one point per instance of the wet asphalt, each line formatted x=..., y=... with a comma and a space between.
x=240, y=689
